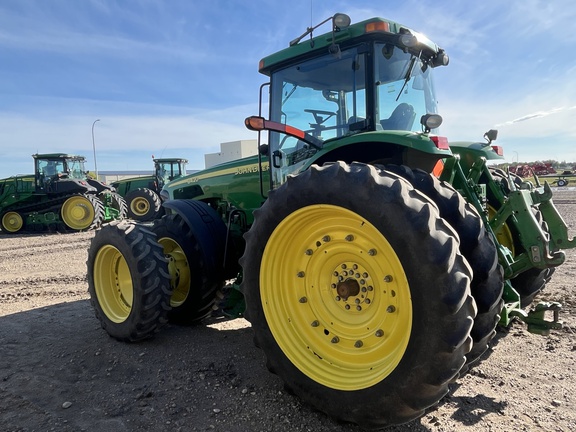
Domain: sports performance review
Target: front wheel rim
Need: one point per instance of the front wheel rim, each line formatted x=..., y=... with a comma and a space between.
x=336, y=297
x=140, y=206
x=12, y=222
x=113, y=284
x=503, y=234
x=78, y=212
x=179, y=270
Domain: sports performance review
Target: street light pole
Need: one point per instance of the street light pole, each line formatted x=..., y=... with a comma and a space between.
x=94, y=148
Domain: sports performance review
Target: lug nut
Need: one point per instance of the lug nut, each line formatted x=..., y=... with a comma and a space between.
x=358, y=344
x=309, y=252
x=335, y=339
x=326, y=239
x=315, y=323
x=300, y=274
x=379, y=333
x=391, y=309
x=303, y=300
x=388, y=278
x=349, y=237
x=372, y=252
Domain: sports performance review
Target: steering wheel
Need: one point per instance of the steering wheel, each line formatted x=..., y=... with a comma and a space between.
x=318, y=115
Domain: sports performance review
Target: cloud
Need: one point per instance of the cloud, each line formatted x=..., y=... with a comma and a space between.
x=125, y=136
x=539, y=114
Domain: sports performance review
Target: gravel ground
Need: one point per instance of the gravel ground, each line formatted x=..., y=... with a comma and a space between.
x=59, y=371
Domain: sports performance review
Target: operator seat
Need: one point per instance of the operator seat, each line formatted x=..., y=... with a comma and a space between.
x=401, y=118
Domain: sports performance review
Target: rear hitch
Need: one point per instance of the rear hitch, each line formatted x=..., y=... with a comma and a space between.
x=536, y=318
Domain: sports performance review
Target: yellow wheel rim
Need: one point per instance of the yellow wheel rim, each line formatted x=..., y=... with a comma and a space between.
x=179, y=271
x=12, y=222
x=140, y=206
x=113, y=284
x=503, y=235
x=336, y=297
x=78, y=212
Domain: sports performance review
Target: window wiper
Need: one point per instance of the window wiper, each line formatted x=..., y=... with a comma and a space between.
x=294, y=87
x=408, y=75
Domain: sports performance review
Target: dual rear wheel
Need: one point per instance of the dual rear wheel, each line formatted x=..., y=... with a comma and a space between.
x=358, y=294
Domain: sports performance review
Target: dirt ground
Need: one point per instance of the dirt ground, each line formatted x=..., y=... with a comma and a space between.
x=59, y=371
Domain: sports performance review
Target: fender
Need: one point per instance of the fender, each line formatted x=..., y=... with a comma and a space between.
x=207, y=227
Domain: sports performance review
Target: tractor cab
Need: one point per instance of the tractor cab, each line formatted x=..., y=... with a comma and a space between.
x=374, y=78
x=167, y=170
x=55, y=169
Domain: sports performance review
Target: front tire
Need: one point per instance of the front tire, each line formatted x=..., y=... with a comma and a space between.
x=143, y=205
x=357, y=293
x=128, y=281
x=530, y=282
x=194, y=280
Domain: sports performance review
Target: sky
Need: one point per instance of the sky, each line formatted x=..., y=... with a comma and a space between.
x=177, y=78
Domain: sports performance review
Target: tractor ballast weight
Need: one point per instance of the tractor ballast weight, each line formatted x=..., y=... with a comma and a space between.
x=375, y=259
x=142, y=193
x=59, y=196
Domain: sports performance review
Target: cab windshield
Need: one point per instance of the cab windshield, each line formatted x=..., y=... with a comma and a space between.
x=328, y=97
x=404, y=89
x=167, y=171
x=76, y=168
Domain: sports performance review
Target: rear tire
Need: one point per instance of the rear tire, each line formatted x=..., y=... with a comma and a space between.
x=478, y=248
x=143, y=205
x=321, y=241
x=128, y=281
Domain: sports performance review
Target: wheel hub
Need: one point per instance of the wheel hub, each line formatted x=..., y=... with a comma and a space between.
x=353, y=286
x=140, y=206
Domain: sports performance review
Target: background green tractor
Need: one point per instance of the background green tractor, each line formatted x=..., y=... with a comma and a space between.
x=375, y=261
x=58, y=196
x=142, y=193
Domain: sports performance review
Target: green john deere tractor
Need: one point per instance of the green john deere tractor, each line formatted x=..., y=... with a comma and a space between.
x=142, y=193
x=375, y=260
x=59, y=196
